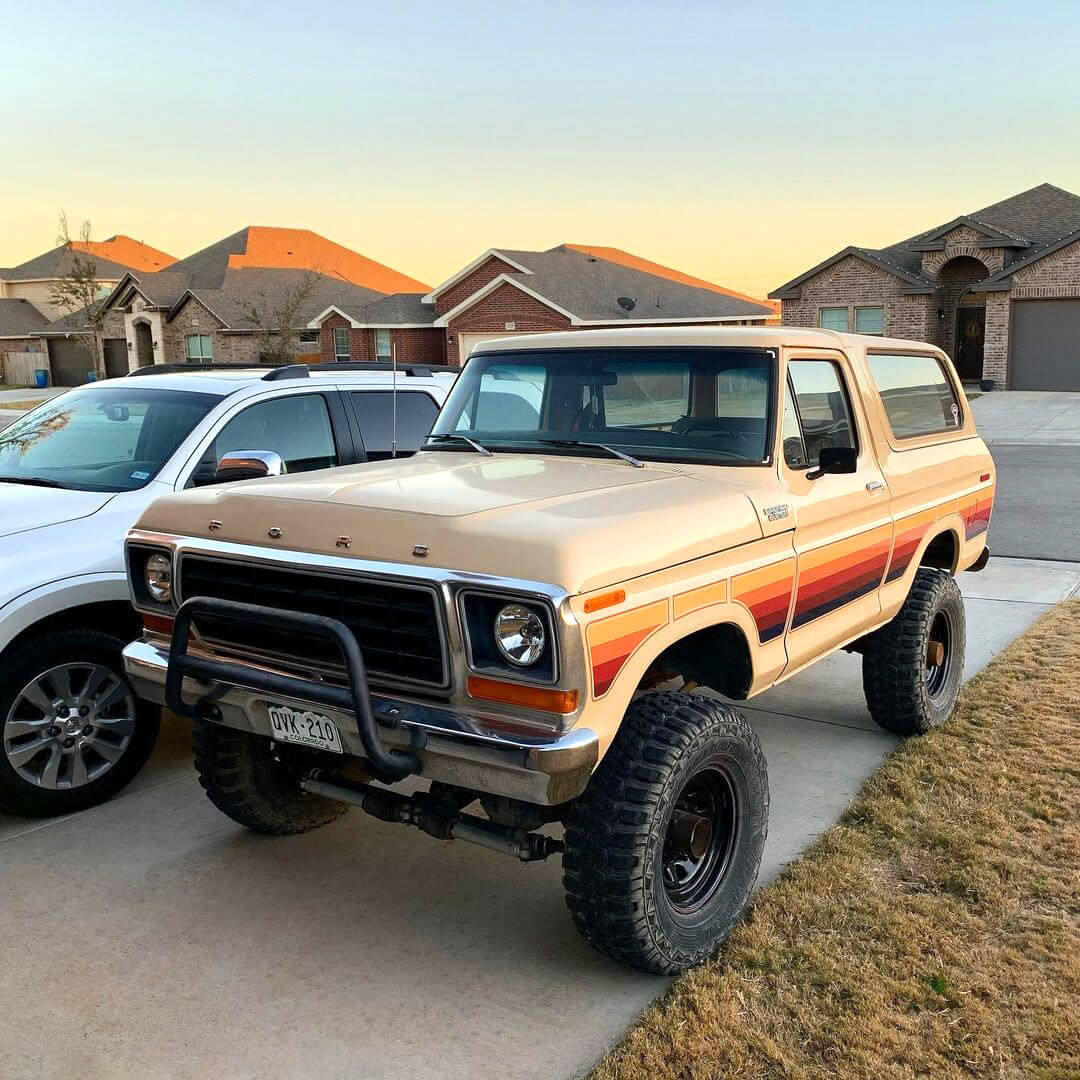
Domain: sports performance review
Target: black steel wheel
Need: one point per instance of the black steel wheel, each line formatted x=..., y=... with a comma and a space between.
x=913, y=666
x=663, y=847
x=701, y=838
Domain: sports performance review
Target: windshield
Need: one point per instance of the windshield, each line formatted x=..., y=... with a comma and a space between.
x=107, y=439
x=668, y=404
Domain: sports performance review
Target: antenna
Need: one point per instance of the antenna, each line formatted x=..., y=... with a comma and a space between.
x=627, y=303
x=393, y=420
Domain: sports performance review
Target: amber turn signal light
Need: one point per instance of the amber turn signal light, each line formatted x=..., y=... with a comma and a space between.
x=158, y=624
x=529, y=697
x=603, y=600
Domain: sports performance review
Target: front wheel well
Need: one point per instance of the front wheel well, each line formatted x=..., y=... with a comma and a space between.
x=942, y=553
x=111, y=617
x=716, y=656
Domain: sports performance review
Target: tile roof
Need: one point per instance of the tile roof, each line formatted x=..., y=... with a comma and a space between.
x=589, y=285
x=258, y=264
x=18, y=317
x=1039, y=219
x=302, y=249
x=109, y=256
x=242, y=290
x=124, y=251
x=636, y=262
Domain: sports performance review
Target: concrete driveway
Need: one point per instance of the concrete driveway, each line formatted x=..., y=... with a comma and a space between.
x=1035, y=440
x=152, y=937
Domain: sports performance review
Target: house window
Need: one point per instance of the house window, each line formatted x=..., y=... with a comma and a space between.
x=307, y=337
x=833, y=318
x=382, y=346
x=200, y=349
x=341, y=343
x=870, y=320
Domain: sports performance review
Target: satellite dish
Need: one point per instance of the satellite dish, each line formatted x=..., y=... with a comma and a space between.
x=627, y=303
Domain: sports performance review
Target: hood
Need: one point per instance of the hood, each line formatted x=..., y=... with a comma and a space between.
x=24, y=507
x=579, y=523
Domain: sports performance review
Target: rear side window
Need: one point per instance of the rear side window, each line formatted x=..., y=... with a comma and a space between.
x=917, y=395
x=375, y=413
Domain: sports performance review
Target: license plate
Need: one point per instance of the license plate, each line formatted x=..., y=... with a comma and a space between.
x=303, y=727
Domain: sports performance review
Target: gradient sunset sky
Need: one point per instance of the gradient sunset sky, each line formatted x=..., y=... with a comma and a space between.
x=740, y=143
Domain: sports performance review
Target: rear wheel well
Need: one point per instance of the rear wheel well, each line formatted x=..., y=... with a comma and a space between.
x=943, y=552
x=111, y=617
x=716, y=656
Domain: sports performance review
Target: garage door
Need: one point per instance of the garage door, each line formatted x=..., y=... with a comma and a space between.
x=467, y=341
x=1045, y=345
x=68, y=361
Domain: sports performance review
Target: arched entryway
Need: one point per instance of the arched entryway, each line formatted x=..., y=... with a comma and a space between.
x=963, y=314
x=144, y=344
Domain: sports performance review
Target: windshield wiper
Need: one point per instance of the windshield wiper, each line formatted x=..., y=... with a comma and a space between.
x=596, y=445
x=464, y=438
x=34, y=481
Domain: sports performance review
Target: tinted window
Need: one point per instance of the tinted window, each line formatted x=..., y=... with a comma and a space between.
x=114, y=439
x=296, y=427
x=917, y=395
x=663, y=404
x=375, y=412
x=794, y=448
x=822, y=405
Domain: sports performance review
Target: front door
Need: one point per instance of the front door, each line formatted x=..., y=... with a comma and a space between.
x=970, y=330
x=843, y=528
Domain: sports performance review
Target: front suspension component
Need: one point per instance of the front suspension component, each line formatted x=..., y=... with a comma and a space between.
x=435, y=817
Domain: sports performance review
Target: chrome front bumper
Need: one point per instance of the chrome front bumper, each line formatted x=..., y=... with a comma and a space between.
x=451, y=747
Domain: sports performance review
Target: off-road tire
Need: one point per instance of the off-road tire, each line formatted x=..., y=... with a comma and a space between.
x=243, y=777
x=28, y=660
x=895, y=661
x=615, y=832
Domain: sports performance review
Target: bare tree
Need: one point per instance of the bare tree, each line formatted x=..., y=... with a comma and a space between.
x=77, y=292
x=278, y=319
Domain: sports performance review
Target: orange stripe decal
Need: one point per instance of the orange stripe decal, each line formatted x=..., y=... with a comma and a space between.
x=766, y=594
x=695, y=599
x=612, y=641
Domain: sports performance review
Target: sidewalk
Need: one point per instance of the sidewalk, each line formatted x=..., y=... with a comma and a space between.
x=1028, y=417
x=163, y=939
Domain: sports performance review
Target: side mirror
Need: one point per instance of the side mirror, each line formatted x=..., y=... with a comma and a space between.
x=835, y=459
x=248, y=465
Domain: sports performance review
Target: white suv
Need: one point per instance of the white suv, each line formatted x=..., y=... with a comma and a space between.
x=75, y=475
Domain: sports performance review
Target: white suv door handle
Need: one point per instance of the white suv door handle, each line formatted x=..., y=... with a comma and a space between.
x=875, y=487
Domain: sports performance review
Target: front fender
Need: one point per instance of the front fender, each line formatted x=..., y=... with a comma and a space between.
x=55, y=597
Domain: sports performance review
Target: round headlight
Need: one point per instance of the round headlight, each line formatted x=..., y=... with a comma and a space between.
x=159, y=578
x=519, y=633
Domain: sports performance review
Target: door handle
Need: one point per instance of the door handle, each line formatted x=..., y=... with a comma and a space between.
x=875, y=487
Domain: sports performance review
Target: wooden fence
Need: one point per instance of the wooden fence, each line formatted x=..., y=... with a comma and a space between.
x=18, y=368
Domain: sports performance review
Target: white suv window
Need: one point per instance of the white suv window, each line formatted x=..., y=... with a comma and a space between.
x=296, y=426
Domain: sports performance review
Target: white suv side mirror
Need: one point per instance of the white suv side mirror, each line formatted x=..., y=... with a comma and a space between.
x=248, y=464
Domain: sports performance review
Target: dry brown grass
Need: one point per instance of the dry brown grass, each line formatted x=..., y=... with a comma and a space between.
x=935, y=931
x=25, y=406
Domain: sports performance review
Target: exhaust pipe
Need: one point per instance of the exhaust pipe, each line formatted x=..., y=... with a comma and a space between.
x=437, y=820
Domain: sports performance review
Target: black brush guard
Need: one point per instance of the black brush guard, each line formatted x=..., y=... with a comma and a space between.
x=386, y=764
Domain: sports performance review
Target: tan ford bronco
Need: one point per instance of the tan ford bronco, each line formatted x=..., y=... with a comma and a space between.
x=607, y=537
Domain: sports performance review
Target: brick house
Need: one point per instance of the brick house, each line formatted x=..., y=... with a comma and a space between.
x=505, y=292
x=28, y=288
x=998, y=289
x=33, y=280
x=200, y=309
